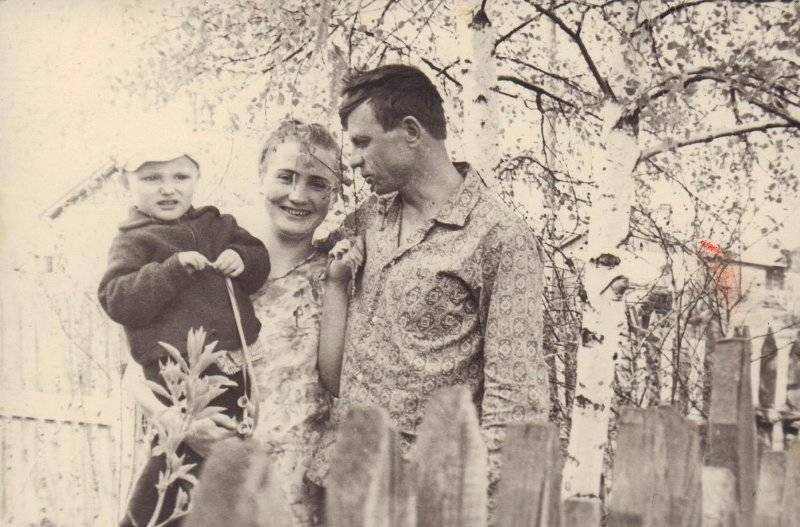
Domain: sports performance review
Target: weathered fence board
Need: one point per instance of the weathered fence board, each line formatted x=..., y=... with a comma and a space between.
x=771, y=482
x=719, y=498
x=791, y=489
x=452, y=483
x=238, y=488
x=582, y=512
x=683, y=468
x=656, y=471
x=530, y=484
x=731, y=427
x=359, y=480
x=638, y=496
x=402, y=491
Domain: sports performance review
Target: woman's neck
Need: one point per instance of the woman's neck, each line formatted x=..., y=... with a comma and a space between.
x=285, y=253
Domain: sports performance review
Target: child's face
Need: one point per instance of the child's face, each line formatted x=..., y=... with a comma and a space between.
x=164, y=189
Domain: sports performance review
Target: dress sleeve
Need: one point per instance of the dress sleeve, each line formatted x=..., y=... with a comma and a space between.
x=134, y=291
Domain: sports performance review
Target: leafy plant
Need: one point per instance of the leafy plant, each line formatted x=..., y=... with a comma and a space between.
x=190, y=393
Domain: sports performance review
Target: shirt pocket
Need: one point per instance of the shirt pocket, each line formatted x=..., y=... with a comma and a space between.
x=435, y=310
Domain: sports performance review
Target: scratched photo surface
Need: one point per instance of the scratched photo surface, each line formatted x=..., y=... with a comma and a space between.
x=652, y=147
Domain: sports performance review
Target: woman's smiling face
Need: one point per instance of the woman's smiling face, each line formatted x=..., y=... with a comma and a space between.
x=299, y=184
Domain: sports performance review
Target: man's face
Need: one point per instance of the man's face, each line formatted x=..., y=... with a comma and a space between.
x=383, y=156
x=164, y=189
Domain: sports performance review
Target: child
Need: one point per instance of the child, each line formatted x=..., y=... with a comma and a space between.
x=166, y=274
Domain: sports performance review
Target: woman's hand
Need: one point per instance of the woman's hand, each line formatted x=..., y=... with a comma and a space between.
x=345, y=259
x=203, y=433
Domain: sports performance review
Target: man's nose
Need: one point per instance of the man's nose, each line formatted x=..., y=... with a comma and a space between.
x=167, y=187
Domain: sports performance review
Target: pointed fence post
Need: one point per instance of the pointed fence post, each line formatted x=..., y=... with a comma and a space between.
x=452, y=465
x=530, y=485
x=238, y=488
x=731, y=422
x=358, y=489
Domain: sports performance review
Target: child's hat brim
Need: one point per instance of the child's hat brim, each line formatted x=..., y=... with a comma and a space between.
x=135, y=159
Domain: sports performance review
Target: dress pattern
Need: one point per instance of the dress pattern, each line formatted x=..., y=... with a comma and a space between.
x=294, y=407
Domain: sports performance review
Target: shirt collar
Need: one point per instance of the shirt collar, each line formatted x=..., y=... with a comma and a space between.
x=456, y=210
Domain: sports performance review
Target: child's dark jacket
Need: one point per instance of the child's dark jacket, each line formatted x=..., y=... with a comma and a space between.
x=149, y=292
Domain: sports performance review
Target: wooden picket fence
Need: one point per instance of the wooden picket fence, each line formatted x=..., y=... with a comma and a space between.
x=666, y=471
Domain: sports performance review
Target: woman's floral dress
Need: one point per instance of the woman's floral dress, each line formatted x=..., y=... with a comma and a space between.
x=293, y=404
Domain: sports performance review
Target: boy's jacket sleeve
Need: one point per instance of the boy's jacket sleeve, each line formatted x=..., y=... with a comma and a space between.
x=134, y=291
x=255, y=258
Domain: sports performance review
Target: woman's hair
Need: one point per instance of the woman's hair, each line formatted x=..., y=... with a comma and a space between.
x=308, y=135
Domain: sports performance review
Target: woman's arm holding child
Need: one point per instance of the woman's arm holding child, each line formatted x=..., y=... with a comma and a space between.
x=346, y=258
x=202, y=433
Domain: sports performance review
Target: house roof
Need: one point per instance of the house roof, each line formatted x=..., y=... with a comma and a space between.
x=82, y=190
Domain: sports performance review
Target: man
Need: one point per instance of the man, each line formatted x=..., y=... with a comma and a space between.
x=450, y=289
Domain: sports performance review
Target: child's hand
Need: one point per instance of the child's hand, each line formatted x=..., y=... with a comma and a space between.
x=193, y=261
x=345, y=259
x=229, y=263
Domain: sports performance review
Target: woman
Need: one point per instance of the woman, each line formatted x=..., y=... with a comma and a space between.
x=299, y=180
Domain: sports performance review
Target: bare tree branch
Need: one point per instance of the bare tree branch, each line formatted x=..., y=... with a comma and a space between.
x=442, y=71
x=511, y=33
x=537, y=89
x=552, y=75
x=680, y=7
x=605, y=87
x=707, y=138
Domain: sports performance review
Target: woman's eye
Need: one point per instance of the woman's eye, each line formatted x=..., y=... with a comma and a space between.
x=149, y=178
x=286, y=178
x=318, y=185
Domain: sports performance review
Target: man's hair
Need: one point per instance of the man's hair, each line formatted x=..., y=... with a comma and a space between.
x=395, y=91
x=308, y=135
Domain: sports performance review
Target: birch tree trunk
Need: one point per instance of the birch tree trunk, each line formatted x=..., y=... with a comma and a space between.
x=480, y=120
x=613, y=161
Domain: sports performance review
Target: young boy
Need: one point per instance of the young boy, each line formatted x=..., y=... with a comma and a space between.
x=166, y=274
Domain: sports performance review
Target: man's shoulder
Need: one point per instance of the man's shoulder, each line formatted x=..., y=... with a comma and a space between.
x=498, y=219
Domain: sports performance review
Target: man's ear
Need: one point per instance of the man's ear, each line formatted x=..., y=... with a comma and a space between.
x=412, y=129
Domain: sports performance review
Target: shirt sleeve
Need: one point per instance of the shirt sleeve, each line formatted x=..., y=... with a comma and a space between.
x=135, y=291
x=516, y=388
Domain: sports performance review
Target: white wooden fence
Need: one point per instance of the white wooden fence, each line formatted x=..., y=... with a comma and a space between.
x=66, y=439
